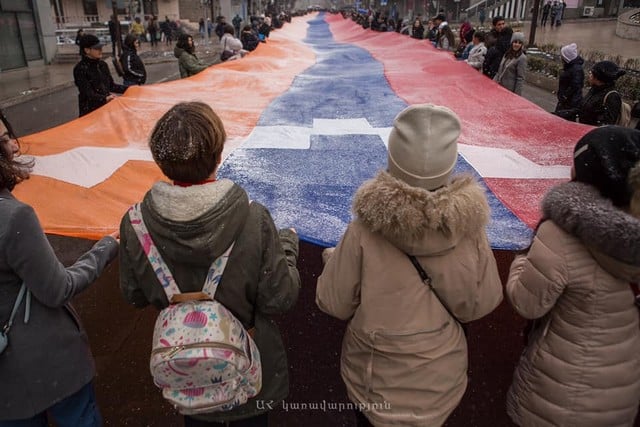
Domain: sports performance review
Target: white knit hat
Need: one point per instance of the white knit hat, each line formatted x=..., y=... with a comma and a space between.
x=423, y=146
x=569, y=52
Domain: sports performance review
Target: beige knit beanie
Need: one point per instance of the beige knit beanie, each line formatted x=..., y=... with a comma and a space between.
x=423, y=146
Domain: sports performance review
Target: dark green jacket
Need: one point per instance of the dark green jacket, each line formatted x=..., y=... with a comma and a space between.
x=188, y=63
x=191, y=227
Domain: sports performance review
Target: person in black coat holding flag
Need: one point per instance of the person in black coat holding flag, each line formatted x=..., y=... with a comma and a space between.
x=93, y=78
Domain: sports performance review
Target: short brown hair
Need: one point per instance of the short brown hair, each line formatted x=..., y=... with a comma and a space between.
x=187, y=142
x=12, y=172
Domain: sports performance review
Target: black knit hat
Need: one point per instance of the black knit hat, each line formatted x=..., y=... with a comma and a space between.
x=604, y=157
x=607, y=71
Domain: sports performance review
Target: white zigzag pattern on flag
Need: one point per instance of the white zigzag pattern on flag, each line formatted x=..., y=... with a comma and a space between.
x=89, y=166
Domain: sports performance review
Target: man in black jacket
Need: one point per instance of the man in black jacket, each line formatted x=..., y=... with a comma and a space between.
x=93, y=78
x=502, y=35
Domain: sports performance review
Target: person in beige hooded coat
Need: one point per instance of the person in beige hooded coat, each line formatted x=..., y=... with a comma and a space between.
x=582, y=365
x=404, y=357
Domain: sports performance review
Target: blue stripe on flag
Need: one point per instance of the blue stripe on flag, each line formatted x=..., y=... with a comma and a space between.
x=311, y=186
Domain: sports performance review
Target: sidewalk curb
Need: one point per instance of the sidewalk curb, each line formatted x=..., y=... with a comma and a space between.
x=33, y=94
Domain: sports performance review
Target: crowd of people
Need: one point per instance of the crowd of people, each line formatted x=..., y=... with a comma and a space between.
x=96, y=86
x=555, y=11
x=500, y=54
x=602, y=104
x=411, y=269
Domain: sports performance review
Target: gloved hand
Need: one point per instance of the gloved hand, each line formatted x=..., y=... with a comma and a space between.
x=326, y=254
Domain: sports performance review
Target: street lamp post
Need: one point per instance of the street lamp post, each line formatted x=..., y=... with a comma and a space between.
x=205, y=3
x=534, y=23
x=116, y=23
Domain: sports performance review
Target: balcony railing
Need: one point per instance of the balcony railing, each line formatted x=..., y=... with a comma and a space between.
x=79, y=21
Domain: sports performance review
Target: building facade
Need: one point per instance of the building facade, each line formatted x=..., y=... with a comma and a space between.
x=32, y=30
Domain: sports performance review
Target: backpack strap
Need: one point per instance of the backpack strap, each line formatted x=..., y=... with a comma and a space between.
x=604, y=101
x=215, y=273
x=162, y=271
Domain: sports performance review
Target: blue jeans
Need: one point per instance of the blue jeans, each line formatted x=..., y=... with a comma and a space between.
x=78, y=410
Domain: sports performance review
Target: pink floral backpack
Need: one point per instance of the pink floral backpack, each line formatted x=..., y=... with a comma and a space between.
x=202, y=357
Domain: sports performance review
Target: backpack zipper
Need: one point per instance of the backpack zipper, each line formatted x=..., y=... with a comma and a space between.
x=172, y=351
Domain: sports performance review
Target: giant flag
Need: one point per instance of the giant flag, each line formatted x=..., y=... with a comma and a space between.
x=308, y=115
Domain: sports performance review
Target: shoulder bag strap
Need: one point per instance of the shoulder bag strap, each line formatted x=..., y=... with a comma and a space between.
x=27, y=309
x=426, y=279
x=21, y=294
x=604, y=101
x=161, y=269
x=636, y=293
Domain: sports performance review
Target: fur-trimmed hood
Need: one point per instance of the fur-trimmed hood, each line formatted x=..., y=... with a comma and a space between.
x=611, y=234
x=421, y=222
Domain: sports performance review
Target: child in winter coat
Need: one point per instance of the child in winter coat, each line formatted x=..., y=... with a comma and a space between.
x=195, y=218
x=404, y=354
x=478, y=52
x=581, y=366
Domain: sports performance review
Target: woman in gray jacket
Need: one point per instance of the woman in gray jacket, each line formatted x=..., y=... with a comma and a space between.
x=47, y=364
x=513, y=66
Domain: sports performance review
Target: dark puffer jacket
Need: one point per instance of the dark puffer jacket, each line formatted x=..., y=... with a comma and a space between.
x=595, y=111
x=94, y=82
x=570, y=85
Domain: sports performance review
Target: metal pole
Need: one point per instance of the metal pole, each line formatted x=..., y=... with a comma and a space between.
x=114, y=6
x=534, y=23
x=61, y=23
x=205, y=3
